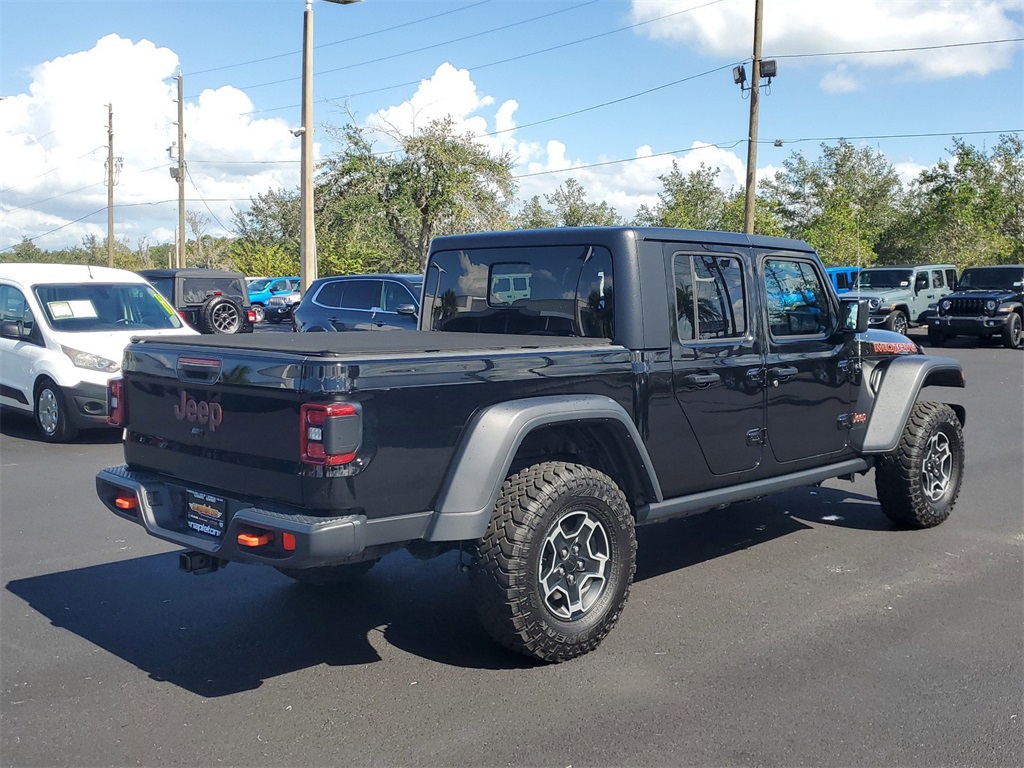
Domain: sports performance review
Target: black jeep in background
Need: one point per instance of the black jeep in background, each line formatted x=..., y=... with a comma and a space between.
x=989, y=301
x=209, y=300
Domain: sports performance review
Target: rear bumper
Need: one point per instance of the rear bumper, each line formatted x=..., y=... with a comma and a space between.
x=969, y=326
x=310, y=541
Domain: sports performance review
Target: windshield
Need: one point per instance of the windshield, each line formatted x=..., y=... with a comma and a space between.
x=258, y=285
x=991, y=278
x=88, y=307
x=882, y=278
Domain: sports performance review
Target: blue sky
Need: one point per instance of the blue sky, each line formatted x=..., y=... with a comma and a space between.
x=571, y=88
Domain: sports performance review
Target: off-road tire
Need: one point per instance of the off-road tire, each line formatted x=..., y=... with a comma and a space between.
x=897, y=322
x=51, y=414
x=918, y=483
x=329, y=575
x=220, y=315
x=937, y=338
x=1012, y=331
x=540, y=508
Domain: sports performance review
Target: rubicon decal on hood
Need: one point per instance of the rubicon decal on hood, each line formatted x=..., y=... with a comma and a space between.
x=893, y=347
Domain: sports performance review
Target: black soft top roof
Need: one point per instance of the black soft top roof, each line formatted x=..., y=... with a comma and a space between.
x=189, y=272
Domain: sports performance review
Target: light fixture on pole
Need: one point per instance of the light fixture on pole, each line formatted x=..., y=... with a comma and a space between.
x=307, y=237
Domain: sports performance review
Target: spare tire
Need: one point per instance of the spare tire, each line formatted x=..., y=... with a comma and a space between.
x=220, y=315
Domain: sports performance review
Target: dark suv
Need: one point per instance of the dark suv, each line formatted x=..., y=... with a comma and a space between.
x=360, y=303
x=989, y=301
x=209, y=300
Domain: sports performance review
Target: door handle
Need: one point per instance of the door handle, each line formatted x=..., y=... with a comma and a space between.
x=701, y=379
x=782, y=372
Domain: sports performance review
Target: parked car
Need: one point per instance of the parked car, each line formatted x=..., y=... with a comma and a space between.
x=279, y=308
x=842, y=277
x=209, y=300
x=261, y=291
x=360, y=303
x=898, y=297
x=63, y=330
x=989, y=301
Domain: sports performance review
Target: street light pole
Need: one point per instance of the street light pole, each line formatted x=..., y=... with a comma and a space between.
x=307, y=232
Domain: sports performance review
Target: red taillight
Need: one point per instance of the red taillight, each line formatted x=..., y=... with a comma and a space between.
x=329, y=434
x=251, y=314
x=115, y=402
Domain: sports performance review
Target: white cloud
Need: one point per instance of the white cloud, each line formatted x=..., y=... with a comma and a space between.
x=54, y=140
x=813, y=26
x=839, y=80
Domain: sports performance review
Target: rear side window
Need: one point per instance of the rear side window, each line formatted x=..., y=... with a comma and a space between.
x=362, y=294
x=951, y=278
x=563, y=290
x=331, y=294
x=196, y=290
x=709, y=297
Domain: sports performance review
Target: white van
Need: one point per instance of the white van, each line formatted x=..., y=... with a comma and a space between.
x=63, y=330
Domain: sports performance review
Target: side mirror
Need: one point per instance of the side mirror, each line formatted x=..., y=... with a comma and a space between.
x=406, y=309
x=12, y=330
x=853, y=315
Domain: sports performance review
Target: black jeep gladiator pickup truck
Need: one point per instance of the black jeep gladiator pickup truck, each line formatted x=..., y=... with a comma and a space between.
x=565, y=386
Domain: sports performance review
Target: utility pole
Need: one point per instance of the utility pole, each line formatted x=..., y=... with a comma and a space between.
x=307, y=230
x=755, y=85
x=110, y=185
x=181, y=171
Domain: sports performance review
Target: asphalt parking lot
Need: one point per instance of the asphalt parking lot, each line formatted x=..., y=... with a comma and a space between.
x=797, y=630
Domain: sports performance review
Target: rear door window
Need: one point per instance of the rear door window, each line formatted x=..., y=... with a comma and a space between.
x=709, y=297
x=362, y=294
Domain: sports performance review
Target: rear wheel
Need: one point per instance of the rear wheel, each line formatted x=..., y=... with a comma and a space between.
x=1012, y=331
x=329, y=575
x=918, y=483
x=897, y=322
x=51, y=412
x=553, y=571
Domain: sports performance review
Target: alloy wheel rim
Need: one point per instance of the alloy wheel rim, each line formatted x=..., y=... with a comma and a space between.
x=900, y=326
x=574, y=561
x=49, y=412
x=225, y=318
x=937, y=467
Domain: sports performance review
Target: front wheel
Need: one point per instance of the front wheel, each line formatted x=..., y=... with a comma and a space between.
x=918, y=483
x=1012, y=331
x=258, y=312
x=897, y=322
x=553, y=571
x=51, y=412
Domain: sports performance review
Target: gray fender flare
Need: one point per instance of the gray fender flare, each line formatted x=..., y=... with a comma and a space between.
x=488, y=446
x=889, y=408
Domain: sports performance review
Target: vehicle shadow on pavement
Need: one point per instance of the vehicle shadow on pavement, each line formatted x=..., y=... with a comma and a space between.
x=688, y=541
x=227, y=632
x=21, y=425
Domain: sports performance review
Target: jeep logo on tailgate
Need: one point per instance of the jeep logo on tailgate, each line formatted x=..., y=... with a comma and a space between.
x=190, y=409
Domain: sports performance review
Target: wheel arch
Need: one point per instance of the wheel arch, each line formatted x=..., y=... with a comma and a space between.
x=889, y=392
x=586, y=429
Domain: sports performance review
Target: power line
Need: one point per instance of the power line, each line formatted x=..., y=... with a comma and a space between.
x=339, y=42
x=896, y=50
x=432, y=46
x=196, y=188
x=492, y=63
x=58, y=229
x=730, y=145
x=45, y=173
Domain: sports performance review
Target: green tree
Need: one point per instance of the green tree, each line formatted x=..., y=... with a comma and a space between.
x=692, y=200
x=571, y=208
x=840, y=203
x=535, y=216
x=968, y=209
x=437, y=183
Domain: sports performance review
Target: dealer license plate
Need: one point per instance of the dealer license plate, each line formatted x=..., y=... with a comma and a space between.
x=205, y=512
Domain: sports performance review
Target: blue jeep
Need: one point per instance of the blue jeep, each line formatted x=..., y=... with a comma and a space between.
x=261, y=290
x=842, y=277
